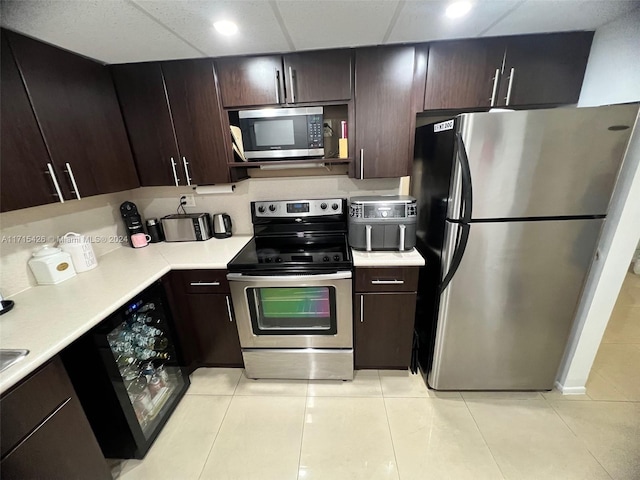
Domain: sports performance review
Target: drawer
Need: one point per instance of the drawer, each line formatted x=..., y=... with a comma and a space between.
x=31, y=402
x=387, y=279
x=204, y=281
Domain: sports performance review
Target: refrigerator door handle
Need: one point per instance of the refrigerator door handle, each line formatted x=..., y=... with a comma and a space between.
x=467, y=187
x=457, y=255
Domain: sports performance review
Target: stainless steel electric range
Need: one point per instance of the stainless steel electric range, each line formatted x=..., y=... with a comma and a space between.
x=291, y=291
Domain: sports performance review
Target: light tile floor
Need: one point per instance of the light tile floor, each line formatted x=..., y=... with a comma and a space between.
x=388, y=425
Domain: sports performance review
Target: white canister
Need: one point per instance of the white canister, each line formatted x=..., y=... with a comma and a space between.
x=81, y=251
x=51, y=265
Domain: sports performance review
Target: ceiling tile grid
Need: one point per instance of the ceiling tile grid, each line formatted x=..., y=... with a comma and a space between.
x=317, y=24
x=258, y=27
x=110, y=31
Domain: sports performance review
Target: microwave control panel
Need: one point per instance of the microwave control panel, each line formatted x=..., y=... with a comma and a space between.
x=315, y=129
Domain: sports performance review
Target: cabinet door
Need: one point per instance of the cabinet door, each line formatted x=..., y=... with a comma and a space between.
x=248, y=81
x=63, y=447
x=76, y=106
x=318, y=76
x=25, y=180
x=383, y=332
x=203, y=138
x=215, y=330
x=384, y=78
x=545, y=69
x=463, y=74
x=145, y=107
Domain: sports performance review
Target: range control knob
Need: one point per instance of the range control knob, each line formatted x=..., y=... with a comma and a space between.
x=268, y=259
x=323, y=206
x=336, y=258
x=325, y=258
x=278, y=260
x=261, y=208
x=384, y=214
x=335, y=206
x=272, y=208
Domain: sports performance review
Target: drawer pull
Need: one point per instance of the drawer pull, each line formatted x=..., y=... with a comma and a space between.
x=205, y=284
x=387, y=282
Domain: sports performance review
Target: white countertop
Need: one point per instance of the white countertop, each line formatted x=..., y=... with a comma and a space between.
x=47, y=318
x=410, y=258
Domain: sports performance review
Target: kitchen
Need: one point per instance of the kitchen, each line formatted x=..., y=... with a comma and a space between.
x=99, y=217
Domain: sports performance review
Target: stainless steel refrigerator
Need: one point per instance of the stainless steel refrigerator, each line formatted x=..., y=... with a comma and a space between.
x=510, y=209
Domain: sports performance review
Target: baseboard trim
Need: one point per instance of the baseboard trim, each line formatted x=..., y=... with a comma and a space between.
x=570, y=390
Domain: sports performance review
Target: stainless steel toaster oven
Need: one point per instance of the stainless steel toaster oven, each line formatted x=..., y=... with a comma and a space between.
x=188, y=227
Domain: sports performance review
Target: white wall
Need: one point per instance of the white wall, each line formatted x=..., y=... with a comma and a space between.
x=612, y=76
x=613, y=70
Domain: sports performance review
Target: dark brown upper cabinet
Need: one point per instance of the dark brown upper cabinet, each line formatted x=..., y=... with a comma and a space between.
x=383, y=97
x=26, y=179
x=175, y=123
x=322, y=76
x=463, y=74
x=527, y=70
x=544, y=69
x=145, y=108
x=77, y=110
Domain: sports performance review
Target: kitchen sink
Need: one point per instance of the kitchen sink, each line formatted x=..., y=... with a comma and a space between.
x=9, y=357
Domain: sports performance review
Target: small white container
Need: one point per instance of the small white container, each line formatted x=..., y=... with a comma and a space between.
x=81, y=251
x=51, y=265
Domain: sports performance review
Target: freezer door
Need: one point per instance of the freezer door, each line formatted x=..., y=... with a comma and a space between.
x=543, y=163
x=505, y=317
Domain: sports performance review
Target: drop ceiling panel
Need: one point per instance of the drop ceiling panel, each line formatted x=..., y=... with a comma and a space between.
x=326, y=24
x=109, y=31
x=535, y=16
x=259, y=31
x=421, y=21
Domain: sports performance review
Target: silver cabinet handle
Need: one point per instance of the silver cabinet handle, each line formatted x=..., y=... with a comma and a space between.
x=228, y=308
x=361, y=308
x=175, y=174
x=186, y=170
x=73, y=181
x=362, y=163
x=402, y=228
x=387, y=282
x=55, y=182
x=293, y=90
x=277, y=78
x=205, y=284
x=368, y=237
x=508, y=97
x=495, y=87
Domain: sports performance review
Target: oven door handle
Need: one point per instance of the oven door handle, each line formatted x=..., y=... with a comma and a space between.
x=287, y=278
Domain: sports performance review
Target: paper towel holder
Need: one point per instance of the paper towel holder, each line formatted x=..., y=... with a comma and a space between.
x=214, y=189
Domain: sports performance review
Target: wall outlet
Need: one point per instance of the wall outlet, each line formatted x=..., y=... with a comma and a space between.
x=189, y=199
x=327, y=129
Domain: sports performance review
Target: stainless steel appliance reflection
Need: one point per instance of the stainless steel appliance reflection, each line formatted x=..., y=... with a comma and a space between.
x=292, y=294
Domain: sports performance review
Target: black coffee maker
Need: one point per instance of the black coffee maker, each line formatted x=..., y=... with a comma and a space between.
x=131, y=218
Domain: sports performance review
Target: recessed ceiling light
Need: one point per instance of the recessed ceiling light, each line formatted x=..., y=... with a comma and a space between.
x=458, y=9
x=225, y=27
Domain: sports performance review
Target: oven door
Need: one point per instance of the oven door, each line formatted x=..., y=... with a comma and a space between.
x=293, y=311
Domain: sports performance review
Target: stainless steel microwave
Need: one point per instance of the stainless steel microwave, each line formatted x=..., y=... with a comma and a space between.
x=277, y=133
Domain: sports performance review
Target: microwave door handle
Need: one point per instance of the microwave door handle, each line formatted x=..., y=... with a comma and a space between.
x=402, y=234
x=368, y=237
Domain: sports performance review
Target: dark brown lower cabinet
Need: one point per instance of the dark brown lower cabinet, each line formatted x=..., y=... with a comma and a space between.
x=45, y=433
x=384, y=313
x=215, y=328
x=204, y=319
x=384, y=329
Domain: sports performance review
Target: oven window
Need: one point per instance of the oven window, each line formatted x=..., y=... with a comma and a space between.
x=293, y=310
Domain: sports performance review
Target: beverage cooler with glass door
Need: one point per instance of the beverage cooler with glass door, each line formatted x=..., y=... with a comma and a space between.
x=128, y=374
